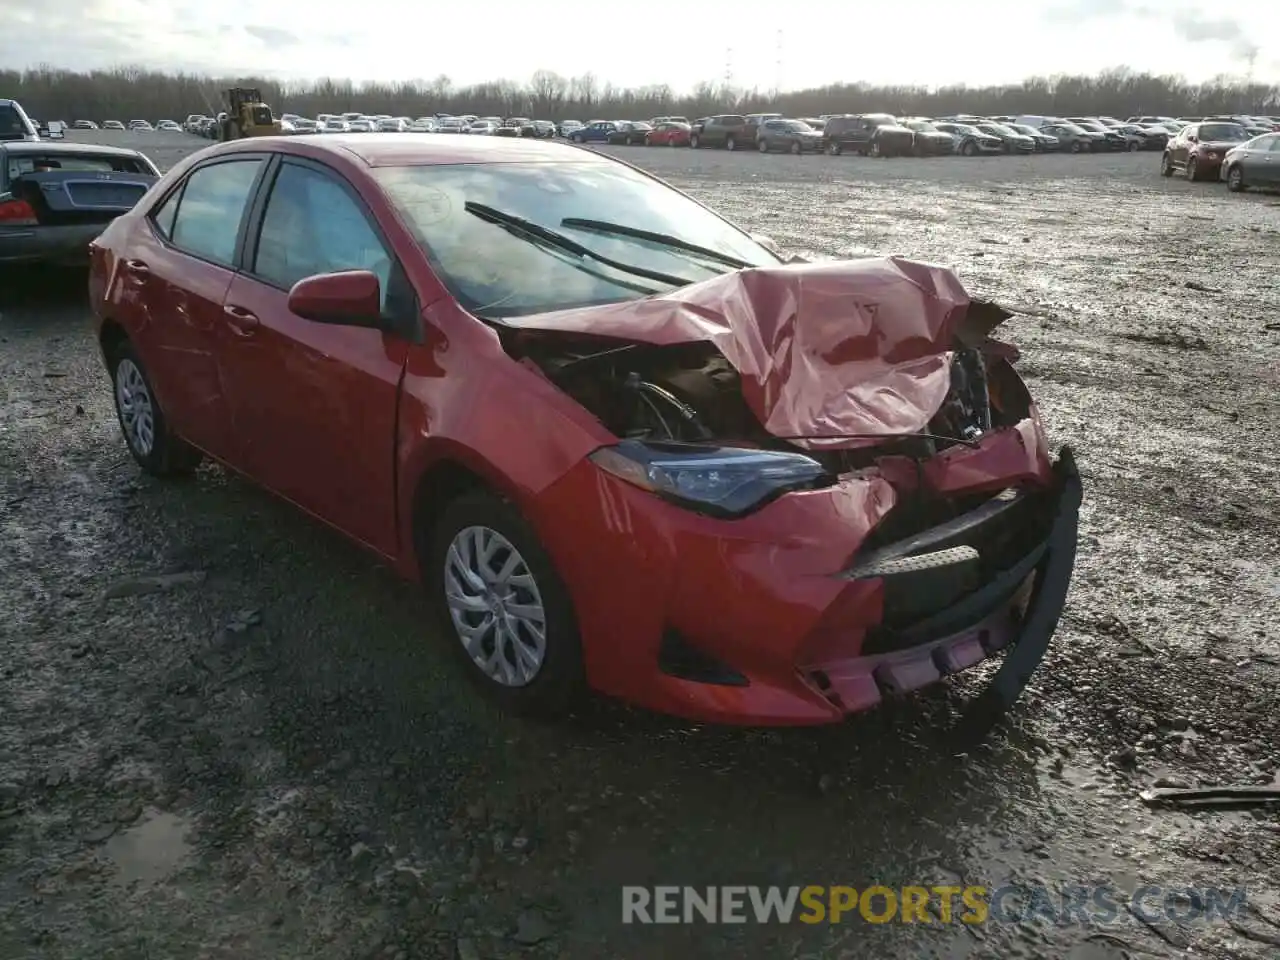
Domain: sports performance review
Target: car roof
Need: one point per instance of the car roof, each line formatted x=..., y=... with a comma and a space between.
x=420, y=149
x=61, y=146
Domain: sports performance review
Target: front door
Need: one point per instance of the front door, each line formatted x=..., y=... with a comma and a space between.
x=180, y=271
x=315, y=404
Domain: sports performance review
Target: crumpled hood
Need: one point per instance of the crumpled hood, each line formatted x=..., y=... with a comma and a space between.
x=824, y=350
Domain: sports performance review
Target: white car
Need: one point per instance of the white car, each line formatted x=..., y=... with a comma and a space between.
x=392, y=125
x=361, y=125
x=423, y=125
x=335, y=125
x=169, y=125
x=452, y=125
x=483, y=127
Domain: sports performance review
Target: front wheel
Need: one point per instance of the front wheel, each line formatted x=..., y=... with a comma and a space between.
x=695, y=142
x=762, y=145
x=1193, y=169
x=969, y=149
x=1235, y=179
x=834, y=148
x=1166, y=166
x=504, y=608
x=796, y=148
x=731, y=144
x=146, y=431
x=1133, y=146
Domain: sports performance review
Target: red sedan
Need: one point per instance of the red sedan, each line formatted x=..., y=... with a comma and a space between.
x=623, y=445
x=668, y=134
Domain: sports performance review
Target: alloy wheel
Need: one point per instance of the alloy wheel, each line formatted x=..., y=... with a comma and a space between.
x=136, y=408
x=496, y=606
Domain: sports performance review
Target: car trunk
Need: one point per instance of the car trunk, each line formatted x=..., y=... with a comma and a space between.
x=65, y=197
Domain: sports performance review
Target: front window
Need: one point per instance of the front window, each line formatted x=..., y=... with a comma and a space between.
x=494, y=272
x=1223, y=131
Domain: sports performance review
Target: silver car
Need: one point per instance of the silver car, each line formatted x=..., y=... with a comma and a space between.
x=56, y=197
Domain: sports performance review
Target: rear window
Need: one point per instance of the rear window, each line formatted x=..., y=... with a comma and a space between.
x=27, y=163
x=12, y=125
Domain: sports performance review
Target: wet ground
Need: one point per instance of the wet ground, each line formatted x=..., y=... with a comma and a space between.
x=226, y=733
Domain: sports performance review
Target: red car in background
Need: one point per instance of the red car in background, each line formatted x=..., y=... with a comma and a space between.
x=622, y=443
x=668, y=134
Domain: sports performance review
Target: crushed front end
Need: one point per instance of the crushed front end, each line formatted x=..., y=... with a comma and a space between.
x=907, y=521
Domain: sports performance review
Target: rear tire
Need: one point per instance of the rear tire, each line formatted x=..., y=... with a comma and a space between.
x=796, y=148
x=762, y=145
x=156, y=448
x=1133, y=146
x=834, y=148
x=695, y=142
x=532, y=594
x=731, y=144
x=969, y=149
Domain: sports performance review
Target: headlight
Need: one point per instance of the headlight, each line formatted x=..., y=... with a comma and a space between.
x=721, y=481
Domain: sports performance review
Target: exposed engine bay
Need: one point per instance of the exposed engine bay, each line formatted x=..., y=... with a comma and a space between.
x=689, y=393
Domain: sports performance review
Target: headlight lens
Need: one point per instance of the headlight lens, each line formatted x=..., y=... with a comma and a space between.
x=721, y=481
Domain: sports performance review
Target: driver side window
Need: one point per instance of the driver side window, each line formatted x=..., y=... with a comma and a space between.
x=313, y=225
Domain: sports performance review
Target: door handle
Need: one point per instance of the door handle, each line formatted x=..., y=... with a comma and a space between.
x=242, y=321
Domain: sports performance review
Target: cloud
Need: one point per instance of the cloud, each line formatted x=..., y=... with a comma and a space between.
x=273, y=36
x=1188, y=24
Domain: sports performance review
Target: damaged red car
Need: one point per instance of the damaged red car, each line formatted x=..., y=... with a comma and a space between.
x=624, y=445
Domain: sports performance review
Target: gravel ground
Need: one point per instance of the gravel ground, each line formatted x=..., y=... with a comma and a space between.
x=266, y=753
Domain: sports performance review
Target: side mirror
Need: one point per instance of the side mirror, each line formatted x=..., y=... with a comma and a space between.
x=349, y=298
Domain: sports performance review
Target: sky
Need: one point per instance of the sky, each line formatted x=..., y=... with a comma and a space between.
x=630, y=43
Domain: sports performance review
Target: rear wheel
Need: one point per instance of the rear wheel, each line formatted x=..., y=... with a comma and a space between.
x=1133, y=146
x=969, y=149
x=796, y=148
x=695, y=141
x=1235, y=179
x=142, y=421
x=834, y=148
x=731, y=144
x=762, y=145
x=504, y=608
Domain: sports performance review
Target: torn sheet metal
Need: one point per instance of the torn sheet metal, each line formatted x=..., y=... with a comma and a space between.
x=856, y=347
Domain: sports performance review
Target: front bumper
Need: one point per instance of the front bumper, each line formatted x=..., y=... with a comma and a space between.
x=758, y=621
x=58, y=244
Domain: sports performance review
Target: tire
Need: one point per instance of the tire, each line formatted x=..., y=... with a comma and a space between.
x=146, y=432
x=762, y=145
x=1166, y=166
x=834, y=148
x=695, y=141
x=796, y=148
x=576, y=139
x=970, y=149
x=1192, y=171
x=1235, y=179
x=730, y=143
x=1076, y=146
x=1133, y=146
x=555, y=679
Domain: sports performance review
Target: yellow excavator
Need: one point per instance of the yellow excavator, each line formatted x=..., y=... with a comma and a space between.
x=248, y=116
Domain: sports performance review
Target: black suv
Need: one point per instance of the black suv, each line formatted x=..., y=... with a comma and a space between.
x=877, y=134
x=727, y=130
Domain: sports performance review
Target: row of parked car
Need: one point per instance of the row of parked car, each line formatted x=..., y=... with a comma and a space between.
x=1224, y=151
x=882, y=134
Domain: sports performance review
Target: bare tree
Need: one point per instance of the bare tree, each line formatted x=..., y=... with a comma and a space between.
x=131, y=92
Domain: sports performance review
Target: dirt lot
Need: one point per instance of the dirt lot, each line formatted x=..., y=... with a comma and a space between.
x=274, y=757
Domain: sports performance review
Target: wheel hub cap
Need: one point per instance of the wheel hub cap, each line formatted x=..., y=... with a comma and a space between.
x=137, y=412
x=495, y=605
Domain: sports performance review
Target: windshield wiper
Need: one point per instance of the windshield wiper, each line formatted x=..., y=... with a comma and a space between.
x=553, y=238
x=662, y=239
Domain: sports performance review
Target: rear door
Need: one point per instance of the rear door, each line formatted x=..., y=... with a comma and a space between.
x=1262, y=162
x=178, y=267
x=315, y=404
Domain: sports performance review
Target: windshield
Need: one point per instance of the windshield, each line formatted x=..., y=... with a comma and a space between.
x=1023, y=128
x=1222, y=131
x=963, y=128
x=1071, y=127
x=994, y=128
x=795, y=126
x=495, y=273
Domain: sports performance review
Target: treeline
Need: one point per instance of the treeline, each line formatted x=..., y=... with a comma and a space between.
x=129, y=93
